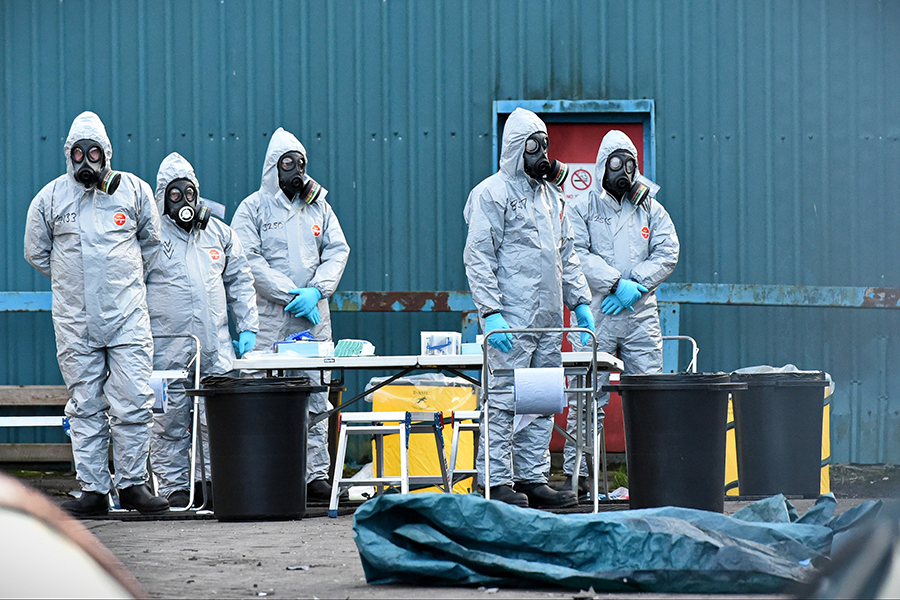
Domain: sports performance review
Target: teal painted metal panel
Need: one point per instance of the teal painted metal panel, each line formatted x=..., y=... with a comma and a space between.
x=778, y=132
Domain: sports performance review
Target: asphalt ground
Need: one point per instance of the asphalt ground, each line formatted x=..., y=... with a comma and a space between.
x=190, y=555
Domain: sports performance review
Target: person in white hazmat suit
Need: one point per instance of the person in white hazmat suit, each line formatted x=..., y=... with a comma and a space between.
x=92, y=231
x=628, y=246
x=521, y=265
x=297, y=253
x=200, y=273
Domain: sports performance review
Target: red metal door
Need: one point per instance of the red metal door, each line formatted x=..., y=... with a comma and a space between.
x=576, y=144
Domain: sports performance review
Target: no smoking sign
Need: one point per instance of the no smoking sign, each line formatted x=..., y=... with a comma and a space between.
x=581, y=179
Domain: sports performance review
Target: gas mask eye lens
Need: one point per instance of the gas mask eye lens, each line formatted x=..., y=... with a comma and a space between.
x=189, y=193
x=287, y=163
x=615, y=163
x=629, y=166
x=94, y=154
x=174, y=194
x=77, y=154
x=531, y=146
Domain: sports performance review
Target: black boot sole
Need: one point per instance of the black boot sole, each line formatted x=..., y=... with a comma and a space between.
x=519, y=504
x=156, y=511
x=570, y=503
x=84, y=515
x=159, y=511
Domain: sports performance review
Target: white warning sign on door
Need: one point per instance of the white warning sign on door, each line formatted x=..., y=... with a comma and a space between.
x=579, y=181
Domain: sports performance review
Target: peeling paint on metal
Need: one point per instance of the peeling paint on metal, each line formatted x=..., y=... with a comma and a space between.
x=881, y=298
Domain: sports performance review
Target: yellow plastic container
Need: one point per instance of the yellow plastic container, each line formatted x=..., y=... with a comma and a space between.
x=731, y=472
x=423, y=458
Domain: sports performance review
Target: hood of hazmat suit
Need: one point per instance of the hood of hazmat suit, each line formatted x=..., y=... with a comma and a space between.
x=519, y=253
x=289, y=245
x=192, y=282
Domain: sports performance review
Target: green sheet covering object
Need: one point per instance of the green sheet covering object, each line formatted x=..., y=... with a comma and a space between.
x=452, y=539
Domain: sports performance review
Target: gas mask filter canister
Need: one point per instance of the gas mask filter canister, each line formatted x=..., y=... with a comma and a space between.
x=641, y=189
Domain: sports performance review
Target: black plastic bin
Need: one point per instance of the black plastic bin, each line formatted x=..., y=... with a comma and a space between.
x=675, y=438
x=778, y=430
x=257, y=445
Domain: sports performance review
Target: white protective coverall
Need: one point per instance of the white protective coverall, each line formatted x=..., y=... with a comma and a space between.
x=520, y=259
x=191, y=283
x=94, y=248
x=621, y=241
x=292, y=245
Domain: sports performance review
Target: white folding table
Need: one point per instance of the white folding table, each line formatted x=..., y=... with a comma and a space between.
x=576, y=364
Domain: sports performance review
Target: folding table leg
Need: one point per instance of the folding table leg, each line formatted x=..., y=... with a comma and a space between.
x=338, y=472
x=454, y=447
x=442, y=458
x=404, y=460
x=379, y=461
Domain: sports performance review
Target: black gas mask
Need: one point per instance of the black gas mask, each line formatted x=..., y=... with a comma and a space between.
x=89, y=164
x=622, y=180
x=183, y=205
x=620, y=169
x=538, y=165
x=293, y=180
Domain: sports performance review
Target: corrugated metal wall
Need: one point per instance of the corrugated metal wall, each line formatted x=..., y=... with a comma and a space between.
x=778, y=129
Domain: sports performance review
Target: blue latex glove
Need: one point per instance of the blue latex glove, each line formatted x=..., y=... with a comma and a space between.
x=629, y=291
x=313, y=316
x=586, y=320
x=611, y=305
x=246, y=342
x=304, y=302
x=500, y=341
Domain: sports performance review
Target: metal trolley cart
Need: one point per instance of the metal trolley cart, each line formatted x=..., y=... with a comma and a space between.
x=196, y=438
x=585, y=391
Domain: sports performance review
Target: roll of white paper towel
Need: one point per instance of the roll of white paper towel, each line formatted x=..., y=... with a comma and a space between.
x=540, y=391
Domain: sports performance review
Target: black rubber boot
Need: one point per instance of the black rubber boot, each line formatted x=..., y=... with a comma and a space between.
x=200, y=495
x=90, y=504
x=505, y=493
x=541, y=495
x=319, y=491
x=139, y=498
x=584, y=487
x=179, y=498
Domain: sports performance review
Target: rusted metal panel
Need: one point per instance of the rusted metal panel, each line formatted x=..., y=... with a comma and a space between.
x=881, y=298
x=402, y=301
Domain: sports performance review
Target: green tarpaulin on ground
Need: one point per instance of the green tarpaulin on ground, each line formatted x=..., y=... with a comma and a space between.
x=453, y=539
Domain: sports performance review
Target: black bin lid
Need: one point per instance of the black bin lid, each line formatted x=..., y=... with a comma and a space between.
x=782, y=379
x=677, y=381
x=218, y=384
